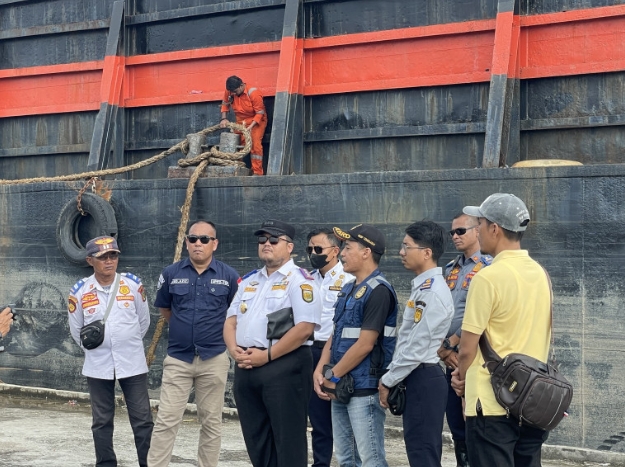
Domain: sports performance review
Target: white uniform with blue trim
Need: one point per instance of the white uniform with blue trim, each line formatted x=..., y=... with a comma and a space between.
x=121, y=355
x=329, y=287
x=259, y=295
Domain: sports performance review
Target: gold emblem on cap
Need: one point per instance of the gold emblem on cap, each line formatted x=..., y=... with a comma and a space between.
x=341, y=233
x=360, y=292
x=243, y=307
x=103, y=241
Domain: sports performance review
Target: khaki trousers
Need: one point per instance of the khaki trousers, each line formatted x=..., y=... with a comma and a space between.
x=209, y=378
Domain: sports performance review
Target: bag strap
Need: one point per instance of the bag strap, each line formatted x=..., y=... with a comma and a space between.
x=491, y=358
x=112, y=297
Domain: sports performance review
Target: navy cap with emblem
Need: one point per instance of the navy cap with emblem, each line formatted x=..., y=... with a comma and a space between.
x=99, y=246
x=277, y=228
x=364, y=234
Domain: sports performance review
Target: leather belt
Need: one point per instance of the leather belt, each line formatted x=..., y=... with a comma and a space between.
x=252, y=347
x=426, y=365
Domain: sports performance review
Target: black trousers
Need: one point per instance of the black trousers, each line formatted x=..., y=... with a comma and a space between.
x=454, y=412
x=426, y=398
x=320, y=415
x=500, y=441
x=102, y=394
x=272, y=401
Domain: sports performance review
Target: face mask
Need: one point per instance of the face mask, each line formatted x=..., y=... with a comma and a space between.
x=318, y=261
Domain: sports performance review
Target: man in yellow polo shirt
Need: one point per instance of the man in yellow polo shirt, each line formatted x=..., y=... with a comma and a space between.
x=510, y=302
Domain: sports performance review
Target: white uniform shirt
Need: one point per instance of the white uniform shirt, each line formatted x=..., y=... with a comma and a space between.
x=121, y=355
x=259, y=295
x=329, y=287
x=426, y=319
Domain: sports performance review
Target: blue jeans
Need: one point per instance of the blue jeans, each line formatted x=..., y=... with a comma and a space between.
x=359, y=432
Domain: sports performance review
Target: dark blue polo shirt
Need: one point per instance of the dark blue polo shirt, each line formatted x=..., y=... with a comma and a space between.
x=198, y=303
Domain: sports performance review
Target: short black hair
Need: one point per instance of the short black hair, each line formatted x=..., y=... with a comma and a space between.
x=202, y=221
x=377, y=257
x=329, y=233
x=509, y=234
x=233, y=82
x=429, y=234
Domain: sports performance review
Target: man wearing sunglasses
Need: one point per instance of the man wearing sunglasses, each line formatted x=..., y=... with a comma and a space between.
x=509, y=302
x=120, y=356
x=458, y=274
x=323, y=252
x=360, y=349
x=193, y=296
x=272, y=377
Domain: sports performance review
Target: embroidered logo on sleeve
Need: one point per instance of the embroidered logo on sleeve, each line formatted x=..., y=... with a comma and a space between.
x=307, y=292
x=72, y=302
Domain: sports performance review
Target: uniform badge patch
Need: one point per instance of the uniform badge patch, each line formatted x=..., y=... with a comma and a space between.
x=418, y=314
x=279, y=286
x=307, y=292
x=410, y=304
x=124, y=290
x=249, y=289
x=361, y=292
x=142, y=292
x=452, y=285
x=253, y=283
x=243, y=307
x=427, y=284
x=71, y=304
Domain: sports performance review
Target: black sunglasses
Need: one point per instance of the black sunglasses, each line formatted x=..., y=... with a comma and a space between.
x=272, y=240
x=202, y=238
x=110, y=255
x=460, y=231
x=317, y=249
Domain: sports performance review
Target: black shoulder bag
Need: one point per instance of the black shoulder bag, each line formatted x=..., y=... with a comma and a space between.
x=533, y=392
x=92, y=334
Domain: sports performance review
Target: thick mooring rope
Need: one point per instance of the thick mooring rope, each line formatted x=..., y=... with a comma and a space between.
x=182, y=146
x=213, y=156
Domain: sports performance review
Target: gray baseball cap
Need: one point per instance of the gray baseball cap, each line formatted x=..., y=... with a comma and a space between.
x=504, y=209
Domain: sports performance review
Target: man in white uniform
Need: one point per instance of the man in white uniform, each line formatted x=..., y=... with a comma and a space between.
x=323, y=251
x=120, y=356
x=272, y=377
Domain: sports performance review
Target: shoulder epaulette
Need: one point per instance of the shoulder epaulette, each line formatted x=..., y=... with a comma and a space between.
x=486, y=259
x=77, y=286
x=306, y=274
x=249, y=274
x=427, y=284
x=132, y=277
x=452, y=262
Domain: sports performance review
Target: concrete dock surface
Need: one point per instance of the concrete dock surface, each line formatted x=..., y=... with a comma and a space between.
x=40, y=427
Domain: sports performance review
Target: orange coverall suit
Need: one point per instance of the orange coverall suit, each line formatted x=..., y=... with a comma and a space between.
x=247, y=107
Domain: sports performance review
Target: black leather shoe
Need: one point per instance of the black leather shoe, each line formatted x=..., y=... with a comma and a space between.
x=462, y=458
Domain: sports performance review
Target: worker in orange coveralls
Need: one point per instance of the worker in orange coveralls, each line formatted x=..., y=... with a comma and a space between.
x=249, y=110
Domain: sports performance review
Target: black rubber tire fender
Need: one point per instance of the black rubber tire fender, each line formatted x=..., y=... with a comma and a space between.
x=67, y=235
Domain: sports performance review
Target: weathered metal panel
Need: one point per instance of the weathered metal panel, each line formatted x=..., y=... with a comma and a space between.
x=242, y=27
x=551, y=6
x=334, y=18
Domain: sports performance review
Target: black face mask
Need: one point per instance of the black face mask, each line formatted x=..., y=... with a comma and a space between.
x=318, y=261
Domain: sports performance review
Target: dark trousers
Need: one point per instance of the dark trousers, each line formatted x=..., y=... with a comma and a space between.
x=454, y=413
x=102, y=394
x=272, y=401
x=320, y=415
x=426, y=398
x=500, y=441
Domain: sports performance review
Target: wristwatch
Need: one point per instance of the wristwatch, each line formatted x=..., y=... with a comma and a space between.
x=330, y=376
x=447, y=345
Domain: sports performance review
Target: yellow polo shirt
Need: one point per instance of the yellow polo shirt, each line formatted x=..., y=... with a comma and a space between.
x=510, y=301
